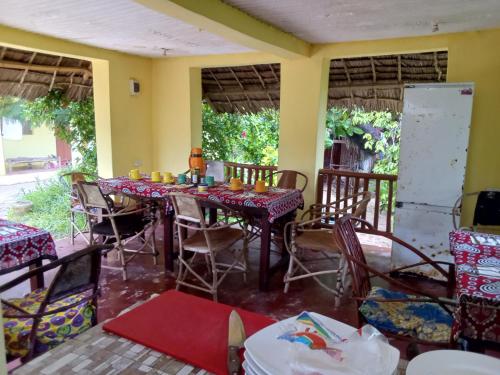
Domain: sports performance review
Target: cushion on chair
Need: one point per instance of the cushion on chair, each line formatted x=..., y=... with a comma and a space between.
x=220, y=239
x=128, y=225
x=52, y=330
x=318, y=240
x=423, y=320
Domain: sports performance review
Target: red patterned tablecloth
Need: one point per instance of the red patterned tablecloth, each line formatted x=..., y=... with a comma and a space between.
x=21, y=245
x=477, y=259
x=276, y=201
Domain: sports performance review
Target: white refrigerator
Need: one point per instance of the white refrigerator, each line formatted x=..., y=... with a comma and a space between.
x=434, y=137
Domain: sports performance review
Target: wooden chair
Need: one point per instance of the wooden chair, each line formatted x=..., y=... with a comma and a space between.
x=316, y=235
x=119, y=226
x=208, y=241
x=287, y=179
x=486, y=212
x=47, y=317
x=409, y=313
x=70, y=180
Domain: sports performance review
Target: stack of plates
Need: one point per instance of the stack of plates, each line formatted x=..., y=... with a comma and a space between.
x=265, y=354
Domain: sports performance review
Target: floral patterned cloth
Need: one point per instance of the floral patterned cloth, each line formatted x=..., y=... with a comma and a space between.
x=477, y=259
x=276, y=201
x=52, y=330
x=423, y=320
x=21, y=245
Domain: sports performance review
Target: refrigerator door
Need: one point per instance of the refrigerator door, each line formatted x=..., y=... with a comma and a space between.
x=426, y=228
x=434, y=137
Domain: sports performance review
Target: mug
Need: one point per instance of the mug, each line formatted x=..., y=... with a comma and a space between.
x=236, y=184
x=210, y=180
x=155, y=177
x=168, y=178
x=134, y=174
x=260, y=186
x=181, y=178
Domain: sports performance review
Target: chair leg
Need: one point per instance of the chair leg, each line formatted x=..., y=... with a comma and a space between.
x=214, y=277
x=155, y=253
x=72, y=227
x=289, y=273
x=123, y=262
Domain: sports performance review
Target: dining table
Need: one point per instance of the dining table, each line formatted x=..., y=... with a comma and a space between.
x=477, y=260
x=24, y=246
x=274, y=205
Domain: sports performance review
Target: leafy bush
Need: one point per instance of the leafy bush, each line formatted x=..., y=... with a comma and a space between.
x=243, y=138
x=50, y=211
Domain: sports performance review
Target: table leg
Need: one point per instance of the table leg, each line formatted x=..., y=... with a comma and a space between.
x=212, y=216
x=265, y=253
x=37, y=281
x=168, y=239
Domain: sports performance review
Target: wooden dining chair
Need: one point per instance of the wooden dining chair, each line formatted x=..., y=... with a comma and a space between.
x=208, y=241
x=287, y=179
x=119, y=226
x=312, y=241
x=47, y=317
x=419, y=316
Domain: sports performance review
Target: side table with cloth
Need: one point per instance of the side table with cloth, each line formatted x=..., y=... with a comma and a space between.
x=22, y=246
x=275, y=204
x=477, y=258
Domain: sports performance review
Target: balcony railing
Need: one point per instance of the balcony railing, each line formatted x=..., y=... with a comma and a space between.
x=335, y=185
x=249, y=173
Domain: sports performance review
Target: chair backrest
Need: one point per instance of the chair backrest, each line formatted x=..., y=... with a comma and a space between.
x=362, y=205
x=348, y=241
x=187, y=207
x=78, y=273
x=487, y=211
x=287, y=179
x=91, y=196
x=215, y=168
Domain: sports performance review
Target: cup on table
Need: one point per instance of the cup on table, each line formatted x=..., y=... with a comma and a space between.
x=134, y=174
x=155, y=177
x=181, y=178
x=236, y=184
x=260, y=186
x=210, y=180
x=168, y=178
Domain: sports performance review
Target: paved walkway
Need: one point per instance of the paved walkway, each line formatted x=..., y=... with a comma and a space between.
x=12, y=186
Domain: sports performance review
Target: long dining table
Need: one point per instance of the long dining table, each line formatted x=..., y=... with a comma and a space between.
x=276, y=204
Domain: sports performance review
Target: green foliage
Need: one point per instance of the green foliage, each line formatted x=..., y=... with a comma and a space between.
x=11, y=107
x=73, y=122
x=242, y=138
x=51, y=204
x=339, y=123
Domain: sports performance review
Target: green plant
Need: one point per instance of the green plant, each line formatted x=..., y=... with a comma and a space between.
x=243, y=138
x=50, y=211
x=339, y=123
x=71, y=121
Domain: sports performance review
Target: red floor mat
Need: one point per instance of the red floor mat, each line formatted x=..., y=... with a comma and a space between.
x=191, y=329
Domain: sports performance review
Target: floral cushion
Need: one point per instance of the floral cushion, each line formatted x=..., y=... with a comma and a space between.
x=423, y=320
x=52, y=330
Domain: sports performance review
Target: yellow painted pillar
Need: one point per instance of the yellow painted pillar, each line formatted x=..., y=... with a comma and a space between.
x=304, y=95
x=176, y=114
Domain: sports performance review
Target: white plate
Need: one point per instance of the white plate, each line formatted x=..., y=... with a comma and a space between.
x=251, y=363
x=453, y=362
x=248, y=369
x=274, y=356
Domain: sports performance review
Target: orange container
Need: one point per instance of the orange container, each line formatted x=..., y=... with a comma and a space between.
x=196, y=161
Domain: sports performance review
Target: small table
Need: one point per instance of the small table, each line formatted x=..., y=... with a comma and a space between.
x=22, y=246
x=477, y=316
x=275, y=204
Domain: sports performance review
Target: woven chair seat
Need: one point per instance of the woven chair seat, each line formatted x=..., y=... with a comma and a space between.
x=219, y=239
x=127, y=226
x=318, y=240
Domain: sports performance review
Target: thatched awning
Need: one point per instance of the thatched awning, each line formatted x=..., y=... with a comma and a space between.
x=29, y=75
x=375, y=83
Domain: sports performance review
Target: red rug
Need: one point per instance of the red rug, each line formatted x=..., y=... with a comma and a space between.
x=191, y=329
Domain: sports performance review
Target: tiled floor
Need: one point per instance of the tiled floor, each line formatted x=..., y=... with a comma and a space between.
x=145, y=279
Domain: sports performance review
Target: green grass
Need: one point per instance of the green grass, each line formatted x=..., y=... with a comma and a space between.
x=51, y=204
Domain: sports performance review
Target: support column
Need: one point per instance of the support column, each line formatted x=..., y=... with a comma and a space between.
x=304, y=95
x=176, y=114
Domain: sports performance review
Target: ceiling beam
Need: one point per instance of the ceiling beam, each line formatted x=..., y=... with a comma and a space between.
x=232, y=24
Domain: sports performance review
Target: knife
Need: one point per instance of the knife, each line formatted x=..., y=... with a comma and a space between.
x=236, y=338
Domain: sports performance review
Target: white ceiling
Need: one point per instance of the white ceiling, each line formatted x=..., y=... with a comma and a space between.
x=324, y=21
x=127, y=26
x=121, y=25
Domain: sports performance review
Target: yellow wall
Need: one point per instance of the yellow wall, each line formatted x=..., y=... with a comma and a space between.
x=123, y=122
x=473, y=56
x=41, y=143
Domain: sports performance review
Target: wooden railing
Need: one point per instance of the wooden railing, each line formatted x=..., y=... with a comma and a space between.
x=249, y=173
x=335, y=185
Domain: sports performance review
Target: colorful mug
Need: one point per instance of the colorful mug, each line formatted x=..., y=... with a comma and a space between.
x=155, y=177
x=210, y=180
x=181, y=178
x=168, y=178
x=260, y=186
x=134, y=174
